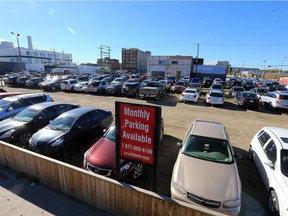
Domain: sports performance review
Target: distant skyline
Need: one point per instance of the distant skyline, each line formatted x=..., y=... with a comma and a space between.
x=247, y=34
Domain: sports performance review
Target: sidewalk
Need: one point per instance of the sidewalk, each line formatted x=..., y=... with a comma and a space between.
x=20, y=196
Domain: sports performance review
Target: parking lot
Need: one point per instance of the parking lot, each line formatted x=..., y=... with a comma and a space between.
x=242, y=124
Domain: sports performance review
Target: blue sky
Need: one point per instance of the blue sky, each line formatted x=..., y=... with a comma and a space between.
x=243, y=32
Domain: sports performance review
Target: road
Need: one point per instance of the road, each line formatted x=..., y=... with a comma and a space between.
x=242, y=124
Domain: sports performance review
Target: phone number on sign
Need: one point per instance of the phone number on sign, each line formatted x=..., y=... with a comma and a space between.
x=137, y=148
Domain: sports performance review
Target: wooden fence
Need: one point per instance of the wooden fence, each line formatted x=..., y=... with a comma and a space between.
x=103, y=193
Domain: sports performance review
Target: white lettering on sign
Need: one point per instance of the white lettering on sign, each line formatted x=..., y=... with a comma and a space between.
x=139, y=113
x=136, y=125
x=136, y=137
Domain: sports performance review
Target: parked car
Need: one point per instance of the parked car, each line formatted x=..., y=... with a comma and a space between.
x=259, y=91
x=235, y=90
x=33, y=82
x=276, y=99
x=101, y=157
x=179, y=86
x=152, y=90
x=68, y=85
x=114, y=88
x=81, y=86
x=206, y=82
x=217, y=86
x=205, y=172
x=248, y=85
x=69, y=129
x=12, y=105
x=97, y=87
x=269, y=150
x=247, y=99
x=234, y=83
x=214, y=97
x=131, y=89
x=51, y=84
x=19, y=129
x=21, y=81
x=190, y=94
x=11, y=80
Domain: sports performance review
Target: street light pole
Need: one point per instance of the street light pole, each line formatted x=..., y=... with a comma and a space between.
x=264, y=69
x=17, y=35
x=281, y=67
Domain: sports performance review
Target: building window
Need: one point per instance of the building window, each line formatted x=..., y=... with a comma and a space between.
x=174, y=62
x=162, y=62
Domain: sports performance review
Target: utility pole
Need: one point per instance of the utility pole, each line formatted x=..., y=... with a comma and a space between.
x=196, y=69
x=17, y=35
x=104, y=52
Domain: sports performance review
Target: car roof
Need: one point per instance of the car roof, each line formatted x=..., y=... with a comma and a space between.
x=16, y=97
x=208, y=128
x=44, y=105
x=78, y=111
x=279, y=133
x=215, y=90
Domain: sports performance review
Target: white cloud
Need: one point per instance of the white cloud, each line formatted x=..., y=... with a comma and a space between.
x=71, y=30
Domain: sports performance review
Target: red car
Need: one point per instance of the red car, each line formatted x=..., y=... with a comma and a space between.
x=101, y=158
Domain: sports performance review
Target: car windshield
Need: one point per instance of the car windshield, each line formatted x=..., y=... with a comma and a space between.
x=284, y=161
x=283, y=97
x=3, y=104
x=110, y=135
x=238, y=89
x=217, y=87
x=250, y=95
x=216, y=94
x=64, y=123
x=26, y=115
x=190, y=91
x=207, y=148
x=180, y=83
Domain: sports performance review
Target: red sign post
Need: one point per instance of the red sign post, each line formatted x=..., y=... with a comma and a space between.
x=137, y=133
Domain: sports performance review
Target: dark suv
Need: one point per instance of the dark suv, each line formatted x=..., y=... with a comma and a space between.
x=131, y=89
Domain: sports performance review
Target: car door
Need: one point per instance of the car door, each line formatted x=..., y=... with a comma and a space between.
x=260, y=155
x=82, y=128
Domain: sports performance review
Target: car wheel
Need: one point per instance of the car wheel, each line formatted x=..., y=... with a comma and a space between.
x=250, y=154
x=270, y=107
x=53, y=88
x=24, y=137
x=137, y=171
x=273, y=203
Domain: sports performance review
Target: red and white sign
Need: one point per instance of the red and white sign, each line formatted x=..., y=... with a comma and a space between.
x=137, y=127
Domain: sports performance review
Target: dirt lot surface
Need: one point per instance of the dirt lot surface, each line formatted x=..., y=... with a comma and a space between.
x=242, y=124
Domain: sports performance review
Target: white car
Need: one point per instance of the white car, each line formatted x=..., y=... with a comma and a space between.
x=190, y=94
x=205, y=172
x=214, y=97
x=269, y=150
x=81, y=86
x=68, y=85
x=276, y=99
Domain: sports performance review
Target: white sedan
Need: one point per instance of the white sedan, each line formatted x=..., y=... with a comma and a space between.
x=190, y=94
x=269, y=150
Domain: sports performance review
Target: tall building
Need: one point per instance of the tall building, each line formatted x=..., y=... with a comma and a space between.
x=135, y=60
x=32, y=59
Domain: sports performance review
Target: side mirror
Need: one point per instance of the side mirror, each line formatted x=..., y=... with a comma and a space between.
x=237, y=156
x=269, y=163
x=179, y=144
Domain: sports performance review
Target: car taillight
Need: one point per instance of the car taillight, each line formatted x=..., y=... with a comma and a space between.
x=194, y=96
x=278, y=98
x=244, y=99
x=257, y=101
x=183, y=95
x=208, y=98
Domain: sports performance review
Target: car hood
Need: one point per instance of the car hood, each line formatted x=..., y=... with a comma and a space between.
x=209, y=180
x=9, y=124
x=102, y=154
x=46, y=135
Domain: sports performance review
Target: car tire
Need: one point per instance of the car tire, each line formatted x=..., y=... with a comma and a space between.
x=137, y=171
x=24, y=137
x=53, y=88
x=273, y=203
x=270, y=107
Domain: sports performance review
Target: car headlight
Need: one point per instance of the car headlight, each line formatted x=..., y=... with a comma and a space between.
x=125, y=167
x=7, y=134
x=232, y=203
x=57, y=142
x=179, y=188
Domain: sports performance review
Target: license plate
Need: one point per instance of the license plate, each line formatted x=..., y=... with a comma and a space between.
x=147, y=95
x=251, y=101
